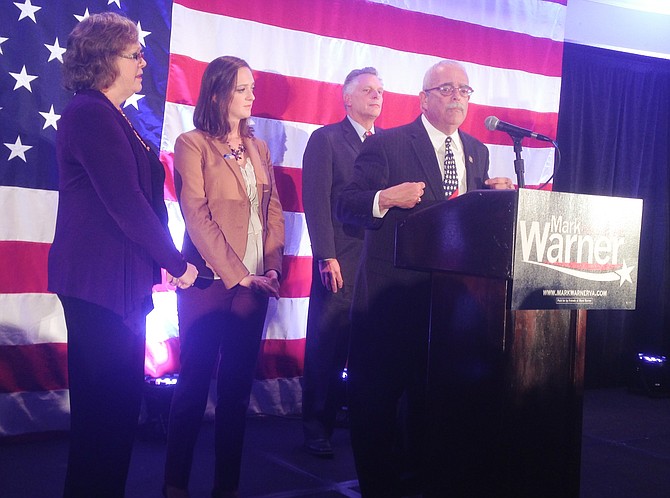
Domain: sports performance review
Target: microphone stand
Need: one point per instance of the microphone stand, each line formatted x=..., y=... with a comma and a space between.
x=518, y=162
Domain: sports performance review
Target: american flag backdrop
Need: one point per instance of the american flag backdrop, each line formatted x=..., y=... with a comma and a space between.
x=300, y=52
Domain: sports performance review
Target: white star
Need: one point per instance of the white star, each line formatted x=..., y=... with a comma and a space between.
x=624, y=273
x=2, y=40
x=142, y=34
x=23, y=79
x=56, y=51
x=117, y=2
x=17, y=149
x=81, y=18
x=27, y=10
x=133, y=99
x=50, y=118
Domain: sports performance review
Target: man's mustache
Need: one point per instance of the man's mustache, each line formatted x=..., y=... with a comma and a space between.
x=456, y=105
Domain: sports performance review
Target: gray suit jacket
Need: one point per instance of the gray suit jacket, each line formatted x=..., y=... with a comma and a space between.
x=327, y=168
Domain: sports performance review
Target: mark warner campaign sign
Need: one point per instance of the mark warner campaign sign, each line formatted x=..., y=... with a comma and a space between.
x=575, y=251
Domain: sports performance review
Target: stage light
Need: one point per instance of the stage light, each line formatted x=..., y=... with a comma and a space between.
x=651, y=375
x=157, y=399
x=168, y=380
x=652, y=359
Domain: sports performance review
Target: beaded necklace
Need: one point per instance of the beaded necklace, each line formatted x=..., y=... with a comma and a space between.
x=134, y=131
x=239, y=152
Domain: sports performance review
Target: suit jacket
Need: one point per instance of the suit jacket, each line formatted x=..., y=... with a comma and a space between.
x=327, y=168
x=111, y=234
x=213, y=199
x=402, y=154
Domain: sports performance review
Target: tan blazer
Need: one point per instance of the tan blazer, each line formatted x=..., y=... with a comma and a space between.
x=214, y=202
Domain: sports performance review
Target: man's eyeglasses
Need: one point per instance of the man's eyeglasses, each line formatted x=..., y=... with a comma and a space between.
x=135, y=56
x=448, y=90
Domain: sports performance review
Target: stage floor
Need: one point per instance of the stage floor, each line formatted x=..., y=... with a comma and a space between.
x=625, y=454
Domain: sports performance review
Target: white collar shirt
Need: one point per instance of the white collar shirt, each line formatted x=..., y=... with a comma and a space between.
x=360, y=130
x=437, y=138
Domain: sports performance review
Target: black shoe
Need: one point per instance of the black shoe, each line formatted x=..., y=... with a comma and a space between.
x=319, y=447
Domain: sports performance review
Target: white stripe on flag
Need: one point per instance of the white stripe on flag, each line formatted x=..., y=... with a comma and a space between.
x=510, y=15
x=286, y=318
x=32, y=214
x=297, y=237
x=286, y=139
x=502, y=163
x=31, y=319
x=328, y=59
x=36, y=411
x=281, y=397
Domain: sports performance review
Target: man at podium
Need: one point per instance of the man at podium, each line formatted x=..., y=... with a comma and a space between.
x=398, y=172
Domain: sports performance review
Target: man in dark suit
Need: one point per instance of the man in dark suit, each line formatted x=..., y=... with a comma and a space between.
x=328, y=164
x=397, y=173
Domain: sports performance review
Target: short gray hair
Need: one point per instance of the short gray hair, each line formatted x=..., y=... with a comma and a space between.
x=351, y=77
x=444, y=62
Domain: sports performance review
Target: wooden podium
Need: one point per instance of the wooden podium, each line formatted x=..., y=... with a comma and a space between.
x=513, y=274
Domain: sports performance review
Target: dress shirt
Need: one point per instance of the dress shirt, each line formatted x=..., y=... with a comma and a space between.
x=360, y=130
x=438, y=138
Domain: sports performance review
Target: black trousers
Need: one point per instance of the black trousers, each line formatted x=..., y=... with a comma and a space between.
x=387, y=382
x=326, y=348
x=214, y=324
x=106, y=378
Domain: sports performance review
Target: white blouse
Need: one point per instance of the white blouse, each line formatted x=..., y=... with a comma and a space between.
x=253, y=256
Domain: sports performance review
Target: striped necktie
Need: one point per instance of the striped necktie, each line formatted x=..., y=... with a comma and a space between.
x=450, y=182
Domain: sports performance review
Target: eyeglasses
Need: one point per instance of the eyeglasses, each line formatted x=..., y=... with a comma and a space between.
x=134, y=57
x=447, y=90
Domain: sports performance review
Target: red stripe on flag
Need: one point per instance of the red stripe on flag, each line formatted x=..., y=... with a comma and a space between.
x=34, y=367
x=421, y=33
x=169, y=191
x=289, y=186
x=307, y=101
x=544, y=123
x=280, y=358
x=316, y=102
x=296, y=276
x=24, y=267
x=184, y=79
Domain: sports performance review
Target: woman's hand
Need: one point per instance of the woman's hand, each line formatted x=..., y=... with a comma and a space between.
x=186, y=280
x=267, y=284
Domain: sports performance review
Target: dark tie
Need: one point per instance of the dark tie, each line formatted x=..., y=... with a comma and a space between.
x=450, y=183
x=367, y=134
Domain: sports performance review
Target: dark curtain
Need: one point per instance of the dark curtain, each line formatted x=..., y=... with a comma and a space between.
x=614, y=136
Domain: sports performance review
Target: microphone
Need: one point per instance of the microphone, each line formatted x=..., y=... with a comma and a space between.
x=492, y=124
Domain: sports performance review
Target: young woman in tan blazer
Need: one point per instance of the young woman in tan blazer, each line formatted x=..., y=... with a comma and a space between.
x=235, y=237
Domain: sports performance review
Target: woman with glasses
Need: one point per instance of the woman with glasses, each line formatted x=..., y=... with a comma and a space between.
x=110, y=243
x=235, y=235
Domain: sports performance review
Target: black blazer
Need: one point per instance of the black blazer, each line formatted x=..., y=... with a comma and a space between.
x=402, y=154
x=111, y=230
x=327, y=168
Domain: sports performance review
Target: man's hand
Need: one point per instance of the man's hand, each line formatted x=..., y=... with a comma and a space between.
x=405, y=195
x=500, y=183
x=331, y=275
